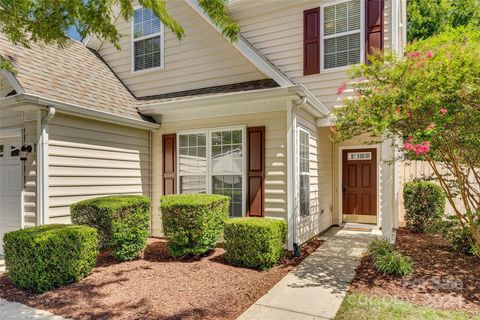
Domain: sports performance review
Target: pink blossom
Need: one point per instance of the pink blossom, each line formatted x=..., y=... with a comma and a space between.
x=443, y=111
x=419, y=148
x=430, y=126
x=408, y=146
x=414, y=54
x=342, y=87
x=429, y=54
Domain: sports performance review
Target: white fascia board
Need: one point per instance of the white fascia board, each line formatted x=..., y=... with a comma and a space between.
x=247, y=50
x=12, y=80
x=76, y=110
x=232, y=103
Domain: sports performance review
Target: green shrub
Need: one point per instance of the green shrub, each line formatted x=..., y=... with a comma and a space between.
x=380, y=247
x=123, y=222
x=193, y=223
x=46, y=257
x=387, y=260
x=255, y=242
x=424, y=205
x=455, y=235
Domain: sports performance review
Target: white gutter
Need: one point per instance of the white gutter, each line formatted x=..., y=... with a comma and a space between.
x=77, y=110
x=247, y=50
x=42, y=166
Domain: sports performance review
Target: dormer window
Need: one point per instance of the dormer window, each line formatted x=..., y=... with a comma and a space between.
x=147, y=46
x=341, y=34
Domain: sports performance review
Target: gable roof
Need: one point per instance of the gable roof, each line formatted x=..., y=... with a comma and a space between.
x=73, y=75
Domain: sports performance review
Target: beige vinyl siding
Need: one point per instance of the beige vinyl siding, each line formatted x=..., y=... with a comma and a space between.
x=5, y=87
x=88, y=159
x=10, y=119
x=202, y=59
x=275, y=157
x=320, y=217
x=279, y=36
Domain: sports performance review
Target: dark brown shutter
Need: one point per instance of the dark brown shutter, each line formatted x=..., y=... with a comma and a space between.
x=311, y=41
x=374, y=26
x=169, y=163
x=256, y=171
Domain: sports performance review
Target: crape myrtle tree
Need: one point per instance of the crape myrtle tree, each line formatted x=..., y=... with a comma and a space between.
x=428, y=101
x=47, y=21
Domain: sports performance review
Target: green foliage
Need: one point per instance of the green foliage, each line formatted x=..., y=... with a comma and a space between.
x=428, y=18
x=47, y=257
x=429, y=104
x=193, y=223
x=424, y=205
x=456, y=236
x=123, y=222
x=255, y=242
x=387, y=260
x=46, y=21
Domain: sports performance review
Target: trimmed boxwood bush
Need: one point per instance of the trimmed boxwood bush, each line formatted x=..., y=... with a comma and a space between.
x=424, y=205
x=256, y=243
x=193, y=223
x=123, y=222
x=45, y=257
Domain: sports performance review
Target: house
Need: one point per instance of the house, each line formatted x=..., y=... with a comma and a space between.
x=250, y=119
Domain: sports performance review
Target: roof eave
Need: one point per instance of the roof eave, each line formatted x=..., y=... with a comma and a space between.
x=76, y=110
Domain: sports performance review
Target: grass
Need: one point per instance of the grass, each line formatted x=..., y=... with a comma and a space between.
x=359, y=306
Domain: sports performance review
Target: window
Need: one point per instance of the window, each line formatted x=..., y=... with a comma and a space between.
x=213, y=161
x=14, y=151
x=147, y=40
x=304, y=171
x=359, y=156
x=342, y=34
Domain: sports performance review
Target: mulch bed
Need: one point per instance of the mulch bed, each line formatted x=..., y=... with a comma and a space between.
x=158, y=287
x=442, y=279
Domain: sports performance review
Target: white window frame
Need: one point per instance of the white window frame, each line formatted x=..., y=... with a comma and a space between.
x=153, y=35
x=300, y=173
x=208, y=184
x=336, y=35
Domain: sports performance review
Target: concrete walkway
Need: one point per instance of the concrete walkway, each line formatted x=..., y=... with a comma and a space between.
x=17, y=311
x=315, y=289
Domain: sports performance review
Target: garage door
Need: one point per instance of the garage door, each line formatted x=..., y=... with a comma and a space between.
x=10, y=185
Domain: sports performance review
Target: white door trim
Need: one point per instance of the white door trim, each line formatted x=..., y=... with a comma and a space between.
x=340, y=176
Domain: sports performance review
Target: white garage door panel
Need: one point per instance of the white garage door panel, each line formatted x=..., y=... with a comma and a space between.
x=10, y=187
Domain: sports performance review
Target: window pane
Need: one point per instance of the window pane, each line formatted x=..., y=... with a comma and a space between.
x=192, y=154
x=145, y=23
x=147, y=53
x=304, y=195
x=14, y=151
x=227, y=155
x=1, y=150
x=304, y=174
x=230, y=186
x=341, y=50
x=193, y=184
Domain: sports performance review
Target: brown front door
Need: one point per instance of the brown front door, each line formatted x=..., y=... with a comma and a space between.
x=359, y=182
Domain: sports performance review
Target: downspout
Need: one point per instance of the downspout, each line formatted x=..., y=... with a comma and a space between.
x=293, y=171
x=42, y=166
